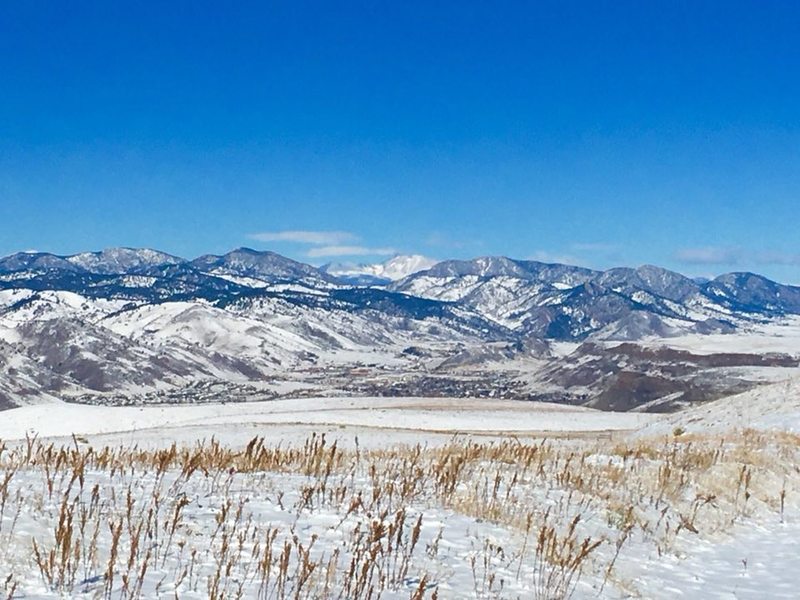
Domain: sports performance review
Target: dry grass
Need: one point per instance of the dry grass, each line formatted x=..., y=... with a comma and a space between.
x=128, y=523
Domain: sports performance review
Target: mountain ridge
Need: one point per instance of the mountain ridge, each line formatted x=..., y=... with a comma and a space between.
x=144, y=326
x=549, y=300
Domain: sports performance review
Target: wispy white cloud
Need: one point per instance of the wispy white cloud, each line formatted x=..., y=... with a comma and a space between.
x=709, y=255
x=314, y=238
x=586, y=254
x=339, y=250
x=779, y=258
x=555, y=257
x=324, y=244
x=731, y=256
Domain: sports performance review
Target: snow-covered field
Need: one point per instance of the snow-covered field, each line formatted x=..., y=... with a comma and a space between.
x=780, y=335
x=402, y=498
x=382, y=419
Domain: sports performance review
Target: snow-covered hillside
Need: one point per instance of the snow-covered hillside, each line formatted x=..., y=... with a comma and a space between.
x=774, y=407
x=64, y=344
x=560, y=301
x=141, y=326
x=122, y=260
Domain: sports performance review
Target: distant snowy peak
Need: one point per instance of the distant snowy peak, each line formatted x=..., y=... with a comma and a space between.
x=394, y=269
x=122, y=260
x=398, y=267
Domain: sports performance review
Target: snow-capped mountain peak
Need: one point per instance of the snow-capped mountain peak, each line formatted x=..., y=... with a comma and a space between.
x=394, y=269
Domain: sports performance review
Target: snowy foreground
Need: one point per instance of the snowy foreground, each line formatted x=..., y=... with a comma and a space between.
x=402, y=498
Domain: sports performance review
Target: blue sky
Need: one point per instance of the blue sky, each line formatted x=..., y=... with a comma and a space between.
x=600, y=133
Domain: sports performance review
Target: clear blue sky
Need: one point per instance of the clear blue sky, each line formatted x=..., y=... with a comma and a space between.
x=601, y=133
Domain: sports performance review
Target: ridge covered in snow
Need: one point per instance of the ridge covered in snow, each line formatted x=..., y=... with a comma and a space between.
x=122, y=260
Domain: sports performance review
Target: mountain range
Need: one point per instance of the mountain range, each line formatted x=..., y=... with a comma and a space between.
x=129, y=325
